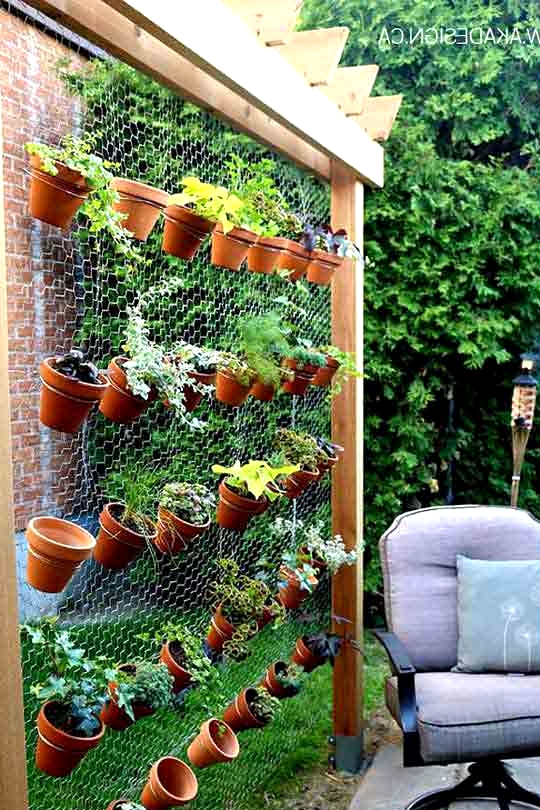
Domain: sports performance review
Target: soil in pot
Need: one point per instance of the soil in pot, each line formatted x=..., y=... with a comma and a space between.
x=229, y=390
x=263, y=256
x=172, y=655
x=292, y=594
x=238, y=715
x=303, y=656
x=120, y=541
x=220, y=631
x=171, y=783
x=119, y=404
x=142, y=205
x=234, y=511
x=56, y=548
x=173, y=533
x=59, y=752
x=262, y=391
x=230, y=249
x=215, y=743
x=273, y=684
x=293, y=258
x=65, y=402
x=324, y=375
x=184, y=231
x=55, y=199
x=322, y=267
x=192, y=397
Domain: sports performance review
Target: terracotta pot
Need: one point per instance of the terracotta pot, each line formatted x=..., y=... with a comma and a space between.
x=229, y=390
x=263, y=256
x=262, y=391
x=58, y=753
x=184, y=231
x=211, y=746
x=119, y=404
x=182, y=677
x=322, y=267
x=173, y=533
x=295, y=484
x=292, y=594
x=326, y=465
x=55, y=199
x=230, y=249
x=273, y=685
x=56, y=549
x=294, y=258
x=220, y=631
x=238, y=715
x=171, y=783
x=267, y=617
x=117, y=545
x=192, y=397
x=142, y=204
x=303, y=656
x=303, y=377
x=116, y=718
x=234, y=511
x=324, y=375
x=65, y=402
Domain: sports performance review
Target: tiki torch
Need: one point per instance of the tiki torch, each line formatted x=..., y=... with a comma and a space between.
x=523, y=402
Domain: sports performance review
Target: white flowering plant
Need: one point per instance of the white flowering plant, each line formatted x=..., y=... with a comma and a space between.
x=310, y=545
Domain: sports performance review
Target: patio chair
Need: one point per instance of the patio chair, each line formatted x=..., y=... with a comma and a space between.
x=452, y=717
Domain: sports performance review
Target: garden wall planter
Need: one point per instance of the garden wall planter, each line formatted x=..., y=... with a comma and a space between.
x=262, y=391
x=230, y=249
x=292, y=594
x=184, y=231
x=119, y=404
x=66, y=402
x=173, y=533
x=234, y=511
x=141, y=203
x=302, y=378
x=171, y=783
x=263, y=256
x=56, y=548
x=215, y=743
x=220, y=631
x=238, y=715
x=295, y=484
x=325, y=375
x=293, y=257
x=229, y=390
x=168, y=656
x=322, y=266
x=116, y=718
x=193, y=397
x=118, y=545
x=273, y=685
x=303, y=656
x=55, y=199
x=59, y=753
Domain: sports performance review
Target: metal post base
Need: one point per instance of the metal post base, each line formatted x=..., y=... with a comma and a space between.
x=349, y=753
x=489, y=779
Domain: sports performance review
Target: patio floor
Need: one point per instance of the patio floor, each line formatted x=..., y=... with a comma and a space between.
x=389, y=786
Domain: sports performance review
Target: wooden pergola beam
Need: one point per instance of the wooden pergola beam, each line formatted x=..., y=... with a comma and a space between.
x=379, y=115
x=315, y=54
x=271, y=20
x=351, y=86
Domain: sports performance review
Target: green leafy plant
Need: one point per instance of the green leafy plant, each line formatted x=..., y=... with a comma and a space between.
x=203, y=360
x=291, y=677
x=308, y=544
x=347, y=368
x=237, y=367
x=261, y=198
x=263, y=342
x=190, y=502
x=263, y=705
x=213, y=202
x=128, y=806
x=299, y=449
x=147, y=683
x=254, y=478
x=305, y=354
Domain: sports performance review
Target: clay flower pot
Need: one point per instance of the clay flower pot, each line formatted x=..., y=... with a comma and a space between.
x=119, y=404
x=56, y=548
x=238, y=715
x=326, y=465
x=322, y=267
x=173, y=533
x=273, y=685
x=230, y=249
x=292, y=594
x=229, y=390
x=192, y=397
x=293, y=257
x=182, y=677
x=220, y=631
x=118, y=545
x=171, y=783
x=262, y=391
x=302, y=377
x=234, y=511
x=184, y=231
x=116, y=718
x=66, y=402
x=295, y=484
x=324, y=375
x=55, y=199
x=142, y=204
x=58, y=753
x=215, y=743
x=303, y=656
x=263, y=256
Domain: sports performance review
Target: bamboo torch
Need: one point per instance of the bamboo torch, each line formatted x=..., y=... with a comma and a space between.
x=523, y=402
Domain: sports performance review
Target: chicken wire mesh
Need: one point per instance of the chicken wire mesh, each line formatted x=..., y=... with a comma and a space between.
x=80, y=293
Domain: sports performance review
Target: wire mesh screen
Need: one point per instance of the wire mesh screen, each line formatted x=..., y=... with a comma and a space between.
x=80, y=292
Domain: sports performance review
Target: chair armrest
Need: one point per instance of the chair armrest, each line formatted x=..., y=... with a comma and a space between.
x=396, y=651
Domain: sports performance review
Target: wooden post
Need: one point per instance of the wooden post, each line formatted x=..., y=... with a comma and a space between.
x=347, y=589
x=12, y=747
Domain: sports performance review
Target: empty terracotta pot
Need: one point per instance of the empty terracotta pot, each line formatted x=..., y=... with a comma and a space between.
x=294, y=258
x=303, y=656
x=182, y=677
x=274, y=686
x=322, y=266
x=141, y=203
x=66, y=402
x=238, y=715
x=116, y=544
x=230, y=249
x=215, y=743
x=173, y=533
x=291, y=595
x=193, y=397
x=220, y=631
x=295, y=484
x=56, y=548
x=58, y=753
x=55, y=199
x=119, y=404
x=171, y=783
x=184, y=231
x=234, y=511
x=262, y=391
x=229, y=390
x=263, y=256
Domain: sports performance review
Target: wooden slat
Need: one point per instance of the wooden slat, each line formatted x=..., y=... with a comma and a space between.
x=351, y=86
x=347, y=476
x=13, y=782
x=271, y=20
x=379, y=115
x=315, y=54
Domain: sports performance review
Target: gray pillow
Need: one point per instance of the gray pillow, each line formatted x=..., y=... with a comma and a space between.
x=498, y=615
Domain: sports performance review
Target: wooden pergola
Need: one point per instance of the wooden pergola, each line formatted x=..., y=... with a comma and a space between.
x=242, y=61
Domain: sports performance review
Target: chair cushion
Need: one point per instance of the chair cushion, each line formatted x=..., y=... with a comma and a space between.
x=464, y=718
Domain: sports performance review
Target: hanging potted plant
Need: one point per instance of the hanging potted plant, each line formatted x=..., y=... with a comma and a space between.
x=190, y=217
x=233, y=381
x=120, y=404
x=340, y=367
x=140, y=206
x=183, y=514
x=253, y=708
x=327, y=249
x=262, y=340
x=183, y=655
x=70, y=386
x=215, y=743
x=246, y=491
x=138, y=690
x=294, y=258
x=56, y=549
x=302, y=450
x=171, y=783
x=315, y=650
x=204, y=363
x=283, y=680
x=68, y=722
x=304, y=361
